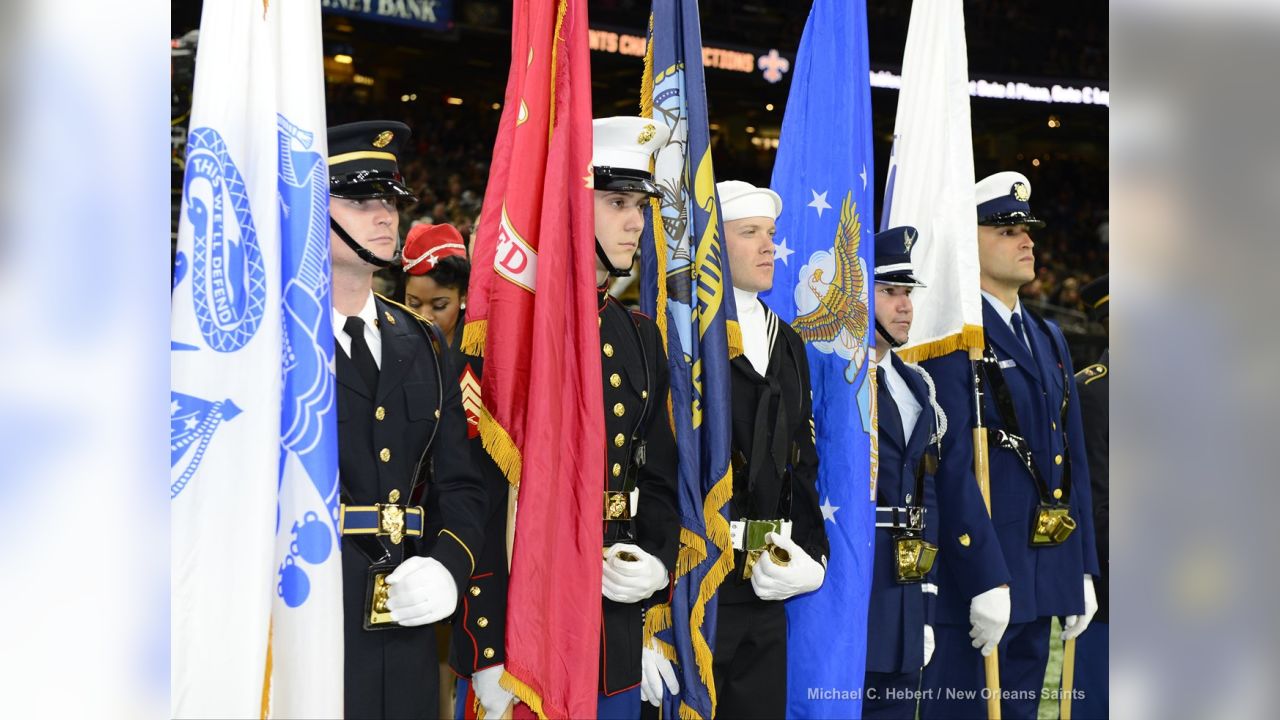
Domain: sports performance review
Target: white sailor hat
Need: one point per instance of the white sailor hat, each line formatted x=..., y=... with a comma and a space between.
x=622, y=148
x=1002, y=200
x=743, y=200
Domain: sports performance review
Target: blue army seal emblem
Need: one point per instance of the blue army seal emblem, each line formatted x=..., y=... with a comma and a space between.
x=228, y=277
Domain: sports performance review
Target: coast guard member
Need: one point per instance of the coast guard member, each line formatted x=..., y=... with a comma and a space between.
x=780, y=543
x=1040, y=494
x=412, y=499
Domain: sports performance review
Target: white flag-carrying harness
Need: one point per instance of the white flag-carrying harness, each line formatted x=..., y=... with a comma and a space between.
x=930, y=182
x=256, y=566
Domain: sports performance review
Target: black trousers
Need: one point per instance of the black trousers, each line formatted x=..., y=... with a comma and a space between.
x=751, y=660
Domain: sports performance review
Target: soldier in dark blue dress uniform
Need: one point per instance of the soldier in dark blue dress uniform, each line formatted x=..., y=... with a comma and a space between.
x=1092, y=697
x=412, y=500
x=1040, y=492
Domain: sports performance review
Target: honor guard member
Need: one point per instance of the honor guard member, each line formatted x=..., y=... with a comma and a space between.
x=412, y=500
x=1092, y=697
x=921, y=496
x=641, y=520
x=780, y=544
x=436, y=272
x=1040, y=504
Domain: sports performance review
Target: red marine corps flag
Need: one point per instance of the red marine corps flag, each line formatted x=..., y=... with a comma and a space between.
x=532, y=313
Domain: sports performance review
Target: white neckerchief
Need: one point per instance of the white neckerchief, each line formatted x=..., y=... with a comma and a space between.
x=908, y=406
x=369, y=314
x=755, y=332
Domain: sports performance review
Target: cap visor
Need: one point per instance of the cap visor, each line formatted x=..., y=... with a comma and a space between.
x=372, y=189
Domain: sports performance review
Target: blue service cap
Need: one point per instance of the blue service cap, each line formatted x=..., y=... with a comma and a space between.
x=893, y=256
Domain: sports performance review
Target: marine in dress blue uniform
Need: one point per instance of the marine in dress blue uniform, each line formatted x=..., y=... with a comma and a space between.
x=638, y=506
x=1040, y=494
x=412, y=499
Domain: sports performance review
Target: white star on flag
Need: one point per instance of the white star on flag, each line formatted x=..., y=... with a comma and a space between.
x=863, y=175
x=828, y=510
x=782, y=252
x=819, y=202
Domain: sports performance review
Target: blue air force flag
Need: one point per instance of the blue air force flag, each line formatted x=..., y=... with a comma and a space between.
x=687, y=289
x=821, y=286
x=256, y=585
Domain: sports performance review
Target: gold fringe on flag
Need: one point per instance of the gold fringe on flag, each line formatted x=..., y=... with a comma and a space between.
x=718, y=532
x=473, y=335
x=266, y=679
x=526, y=694
x=969, y=337
x=733, y=333
x=688, y=713
x=657, y=619
x=561, y=8
x=693, y=550
x=500, y=446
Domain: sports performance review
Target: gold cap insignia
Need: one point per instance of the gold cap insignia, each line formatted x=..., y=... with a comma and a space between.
x=964, y=539
x=1021, y=192
x=384, y=139
x=646, y=134
x=908, y=240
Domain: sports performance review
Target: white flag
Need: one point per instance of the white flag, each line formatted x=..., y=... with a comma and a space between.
x=930, y=181
x=256, y=566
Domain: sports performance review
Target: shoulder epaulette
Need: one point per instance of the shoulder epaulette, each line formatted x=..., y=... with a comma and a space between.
x=1095, y=371
x=407, y=309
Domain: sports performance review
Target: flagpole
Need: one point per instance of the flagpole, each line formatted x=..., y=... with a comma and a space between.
x=1068, y=677
x=981, y=470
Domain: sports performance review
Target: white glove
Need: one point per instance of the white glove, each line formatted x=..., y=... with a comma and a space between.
x=630, y=581
x=494, y=698
x=420, y=592
x=1076, y=624
x=801, y=575
x=989, y=613
x=656, y=671
x=928, y=644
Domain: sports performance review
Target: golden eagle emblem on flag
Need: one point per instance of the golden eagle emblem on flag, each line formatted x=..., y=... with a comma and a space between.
x=837, y=321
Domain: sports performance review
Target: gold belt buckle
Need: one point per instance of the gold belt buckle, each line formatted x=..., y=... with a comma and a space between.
x=755, y=544
x=617, y=505
x=391, y=519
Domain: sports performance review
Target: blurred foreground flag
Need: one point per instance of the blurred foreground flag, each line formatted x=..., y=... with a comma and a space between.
x=256, y=569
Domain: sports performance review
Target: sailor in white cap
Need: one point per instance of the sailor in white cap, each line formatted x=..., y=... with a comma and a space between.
x=1041, y=507
x=780, y=543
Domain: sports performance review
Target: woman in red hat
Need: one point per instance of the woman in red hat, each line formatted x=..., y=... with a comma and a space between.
x=436, y=274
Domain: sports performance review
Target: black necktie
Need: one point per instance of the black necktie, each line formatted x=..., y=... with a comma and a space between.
x=361, y=356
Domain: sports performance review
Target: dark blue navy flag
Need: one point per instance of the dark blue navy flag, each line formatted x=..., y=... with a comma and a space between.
x=821, y=286
x=687, y=289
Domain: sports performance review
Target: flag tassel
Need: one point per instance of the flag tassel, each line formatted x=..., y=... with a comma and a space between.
x=970, y=336
x=498, y=443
